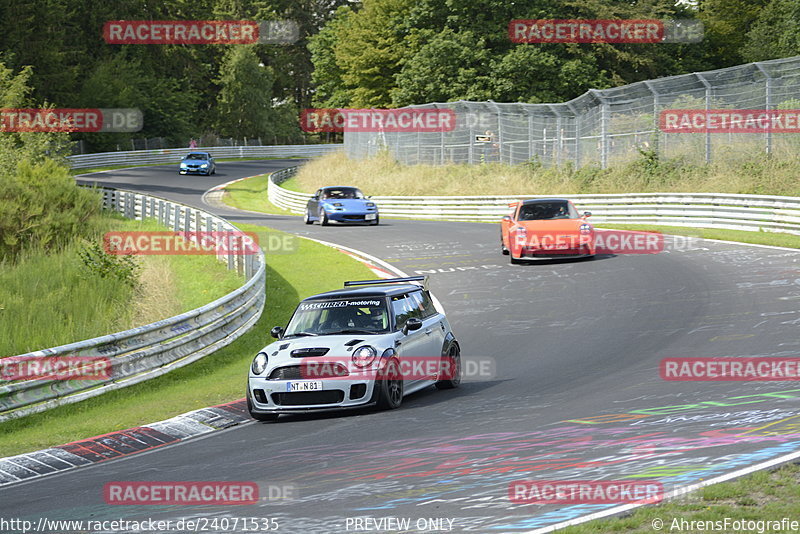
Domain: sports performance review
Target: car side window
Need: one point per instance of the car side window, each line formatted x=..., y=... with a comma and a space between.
x=403, y=308
x=422, y=304
x=427, y=304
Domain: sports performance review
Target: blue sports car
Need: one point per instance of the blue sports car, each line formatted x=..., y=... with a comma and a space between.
x=198, y=163
x=341, y=204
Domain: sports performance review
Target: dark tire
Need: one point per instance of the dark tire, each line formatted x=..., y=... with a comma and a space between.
x=307, y=218
x=503, y=248
x=265, y=417
x=390, y=387
x=454, y=357
x=323, y=218
x=376, y=221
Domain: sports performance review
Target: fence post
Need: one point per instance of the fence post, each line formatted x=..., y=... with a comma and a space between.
x=708, y=108
x=577, y=156
x=768, y=102
x=604, y=116
x=500, y=135
x=656, y=123
x=471, y=130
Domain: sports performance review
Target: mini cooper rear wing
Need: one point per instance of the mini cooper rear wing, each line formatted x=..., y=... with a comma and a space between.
x=408, y=279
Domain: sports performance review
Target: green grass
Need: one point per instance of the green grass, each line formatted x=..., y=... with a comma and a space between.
x=759, y=238
x=251, y=195
x=51, y=299
x=217, y=378
x=762, y=496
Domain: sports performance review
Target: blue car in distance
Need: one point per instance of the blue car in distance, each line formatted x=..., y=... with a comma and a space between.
x=340, y=204
x=198, y=163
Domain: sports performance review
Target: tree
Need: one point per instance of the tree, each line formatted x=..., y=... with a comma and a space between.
x=245, y=96
x=775, y=33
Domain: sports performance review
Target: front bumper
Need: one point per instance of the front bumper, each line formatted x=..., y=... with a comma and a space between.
x=536, y=253
x=193, y=170
x=272, y=397
x=352, y=216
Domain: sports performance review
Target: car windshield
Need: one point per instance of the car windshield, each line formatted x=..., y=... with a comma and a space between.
x=196, y=155
x=344, y=192
x=343, y=316
x=538, y=211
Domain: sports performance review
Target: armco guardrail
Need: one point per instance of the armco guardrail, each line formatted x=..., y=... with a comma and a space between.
x=155, y=349
x=702, y=210
x=174, y=155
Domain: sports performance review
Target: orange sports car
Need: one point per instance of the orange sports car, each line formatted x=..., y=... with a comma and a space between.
x=546, y=228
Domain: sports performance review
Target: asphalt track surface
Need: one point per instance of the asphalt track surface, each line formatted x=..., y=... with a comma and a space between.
x=576, y=395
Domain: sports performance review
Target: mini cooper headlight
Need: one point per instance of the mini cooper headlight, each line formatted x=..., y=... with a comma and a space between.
x=364, y=356
x=259, y=363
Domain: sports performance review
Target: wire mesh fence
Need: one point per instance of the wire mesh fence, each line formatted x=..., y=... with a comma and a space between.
x=603, y=127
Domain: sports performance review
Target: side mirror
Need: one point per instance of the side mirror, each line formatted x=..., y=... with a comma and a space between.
x=506, y=217
x=315, y=197
x=587, y=213
x=276, y=332
x=413, y=323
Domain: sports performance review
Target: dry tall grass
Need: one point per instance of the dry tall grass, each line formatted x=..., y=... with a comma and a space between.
x=384, y=176
x=156, y=297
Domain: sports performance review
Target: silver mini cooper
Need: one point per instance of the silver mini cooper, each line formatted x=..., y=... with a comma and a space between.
x=371, y=343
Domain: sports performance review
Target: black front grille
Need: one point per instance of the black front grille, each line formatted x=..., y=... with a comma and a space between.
x=286, y=373
x=306, y=398
x=353, y=217
x=309, y=351
x=310, y=371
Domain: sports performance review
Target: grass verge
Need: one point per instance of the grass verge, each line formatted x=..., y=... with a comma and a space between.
x=251, y=195
x=763, y=496
x=217, y=378
x=757, y=238
x=79, y=304
x=382, y=175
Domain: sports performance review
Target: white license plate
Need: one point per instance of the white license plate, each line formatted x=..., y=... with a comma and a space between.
x=304, y=386
x=369, y=217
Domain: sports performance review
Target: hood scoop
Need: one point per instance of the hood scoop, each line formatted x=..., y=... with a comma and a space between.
x=309, y=351
x=353, y=342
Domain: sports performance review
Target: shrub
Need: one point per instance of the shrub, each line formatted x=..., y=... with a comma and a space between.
x=41, y=206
